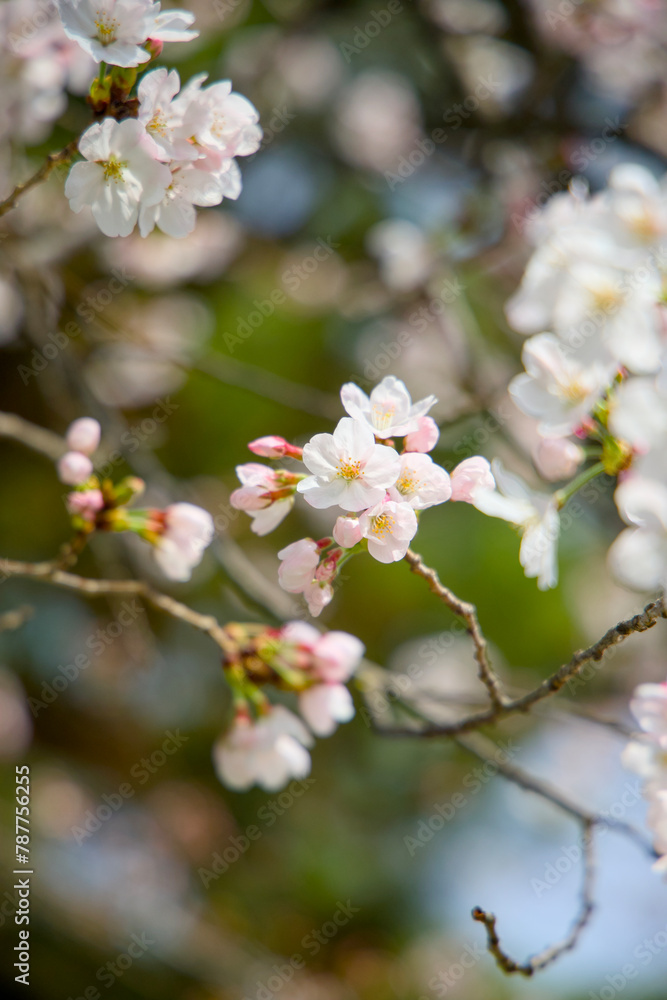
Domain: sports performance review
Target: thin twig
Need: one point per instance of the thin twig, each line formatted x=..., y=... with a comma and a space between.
x=468, y=612
x=52, y=161
x=47, y=572
x=38, y=438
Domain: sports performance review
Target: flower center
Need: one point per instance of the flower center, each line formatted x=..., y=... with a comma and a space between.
x=607, y=299
x=408, y=483
x=382, y=525
x=158, y=123
x=348, y=469
x=107, y=27
x=383, y=416
x=218, y=126
x=113, y=169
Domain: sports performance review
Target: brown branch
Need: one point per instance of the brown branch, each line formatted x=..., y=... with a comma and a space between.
x=52, y=161
x=38, y=438
x=641, y=622
x=469, y=614
x=550, y=954
x=49, y=573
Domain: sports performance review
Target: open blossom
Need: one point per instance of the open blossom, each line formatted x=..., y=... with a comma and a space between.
x=301, y=572
x=323, y=706
x=266, y=752
x=556, y=387
x=83, y=435
x=425, y=437
x=638, y=557
x=536, y=514
x=187, y=531
x=420, y=482
x=349, y=469
x=389, y=411
x=389, y=528
x=161, y=119
x=220, y=119
x=265, y=495
x=114, y=31
x=120, y=172
x=74, y=468
x=471, y=476
x=189, y=185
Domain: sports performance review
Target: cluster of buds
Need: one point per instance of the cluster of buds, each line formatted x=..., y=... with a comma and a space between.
x=267, y=743
x=179, y=534
x=159, y=152
x=359, y=469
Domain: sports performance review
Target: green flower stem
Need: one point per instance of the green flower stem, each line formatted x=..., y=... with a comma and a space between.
x=562, y=496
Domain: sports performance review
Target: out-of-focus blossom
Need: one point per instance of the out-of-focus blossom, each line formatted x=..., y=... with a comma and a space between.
x=323, y=706
x=268, y=752
x=389, y=411
x=186, y=532
x=557, y=458
x=425, y=438
x=84, y=435
x=471, y=476
x=74, y=468
x=638, y=557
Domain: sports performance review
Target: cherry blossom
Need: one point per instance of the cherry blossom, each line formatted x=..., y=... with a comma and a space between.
x=267, y=752
x=114, y=31
x=425, y=437
x=219, y=119
x=389, y=411
x=298, y=565
x=323, y=706
x=273, y=446
x=349, y=469
x=389, y=527
x=557, y=388
x=420, y=482
x=649, y=707
x=160, y=118
x=120, y=172
x=74, y=468
x=536, y=514
x=186, y=531
x=471, y=476
x=266, y=495
x=557, y=458
x=83, y=435
x=347, y=531
x=638, y=557
x=189, y=185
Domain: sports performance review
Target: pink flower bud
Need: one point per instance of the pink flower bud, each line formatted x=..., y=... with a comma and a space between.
x=84, y=435
x=85, y=503
x=273, y=446
x=250, y=498
x=470, y=477
x=557, y=458
x=74, y=468
x=425, y=438
x=347, y=532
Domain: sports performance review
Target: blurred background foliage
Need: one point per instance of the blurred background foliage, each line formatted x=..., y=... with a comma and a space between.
x=242, y=330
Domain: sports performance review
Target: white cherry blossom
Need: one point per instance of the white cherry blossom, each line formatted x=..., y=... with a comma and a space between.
x=159, y=116
x=219, y=119
x=187, y=531
x=268, y=752
x=536, y=514
x=120, y=172
x=175, y=214
x=421, y=482
x=389, y=411
x=323, y=706
x=638, y=557
x=349, y=469
x=389, y=527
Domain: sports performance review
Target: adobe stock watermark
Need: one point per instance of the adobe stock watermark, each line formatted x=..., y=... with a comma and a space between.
x=238, y=844
x=453, y=117
x=141, y=772
x=644, y=953
x=96, y=643
x=312, y=943
x=474, y=781
x=108, y=973
x=364, y=34
x=571, y=854
x=291, y=279
x=446, y=979
x=87, y=310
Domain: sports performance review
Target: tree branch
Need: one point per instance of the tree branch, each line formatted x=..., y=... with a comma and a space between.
x=469, y=614
x=52, y=161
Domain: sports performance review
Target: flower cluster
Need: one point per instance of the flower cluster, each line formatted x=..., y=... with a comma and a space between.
x=648, y=759
x=179, y=534
x=358, y=470
x=592, y=300
x=269, y=747
x=153, y=157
